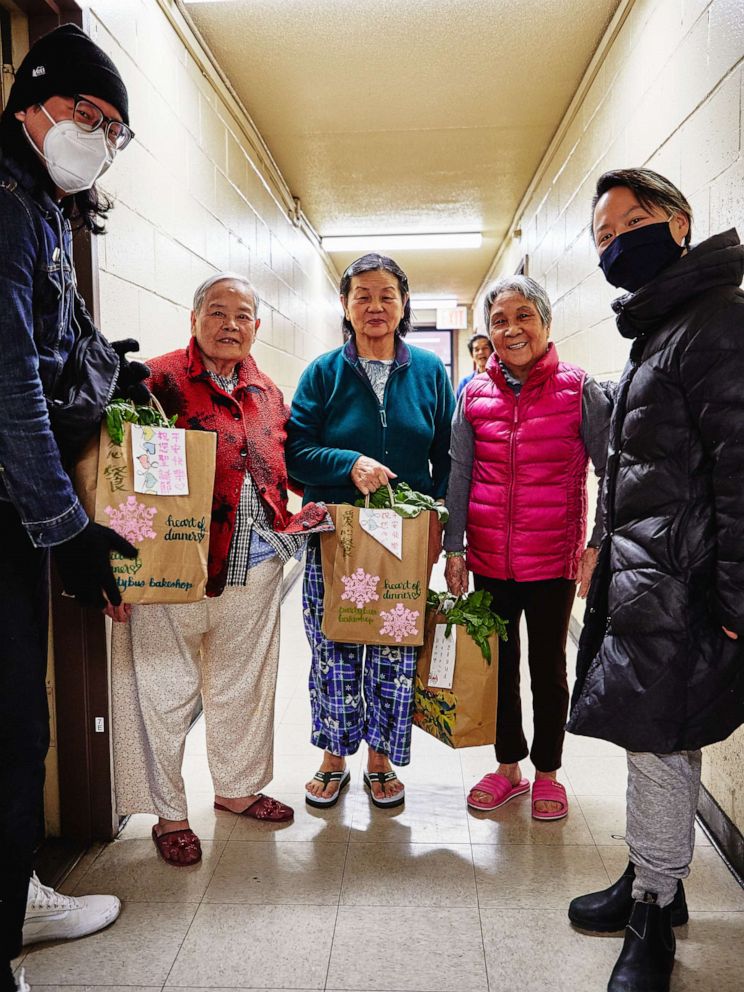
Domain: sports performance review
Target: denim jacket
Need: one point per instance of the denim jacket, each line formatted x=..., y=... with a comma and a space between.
x=40, y=317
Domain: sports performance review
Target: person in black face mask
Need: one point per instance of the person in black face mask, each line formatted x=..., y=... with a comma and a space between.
x=661, y=659
x=643, y=245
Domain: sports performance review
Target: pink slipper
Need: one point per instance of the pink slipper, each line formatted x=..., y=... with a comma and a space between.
x=546, y=790
x=499, y=788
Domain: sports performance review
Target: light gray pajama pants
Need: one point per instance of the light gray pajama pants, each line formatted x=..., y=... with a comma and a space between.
x=662, y=801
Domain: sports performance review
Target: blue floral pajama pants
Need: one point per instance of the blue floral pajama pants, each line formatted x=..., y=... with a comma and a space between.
x=357, y=692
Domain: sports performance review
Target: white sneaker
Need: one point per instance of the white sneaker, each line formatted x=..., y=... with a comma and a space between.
x=52, y=916
x=23, y=985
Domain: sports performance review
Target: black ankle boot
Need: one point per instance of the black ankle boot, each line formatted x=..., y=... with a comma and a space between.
x=647, y=958
x=608, y=911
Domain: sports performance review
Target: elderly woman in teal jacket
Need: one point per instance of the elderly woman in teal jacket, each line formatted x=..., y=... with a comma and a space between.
x=371, y=412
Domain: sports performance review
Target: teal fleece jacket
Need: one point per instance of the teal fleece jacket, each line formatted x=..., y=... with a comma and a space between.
x=336, y=417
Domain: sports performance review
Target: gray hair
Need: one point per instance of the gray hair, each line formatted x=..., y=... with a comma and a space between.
x=528, y=288
x=203, y=288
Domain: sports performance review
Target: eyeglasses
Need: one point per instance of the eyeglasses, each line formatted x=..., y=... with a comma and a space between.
x=89, y=117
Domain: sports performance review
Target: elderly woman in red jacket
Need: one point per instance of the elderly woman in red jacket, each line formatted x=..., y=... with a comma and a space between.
x=522, y=435
x=225, y=648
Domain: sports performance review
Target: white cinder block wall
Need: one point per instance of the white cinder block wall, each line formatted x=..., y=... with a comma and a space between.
x=191, y=199
x=667, y=94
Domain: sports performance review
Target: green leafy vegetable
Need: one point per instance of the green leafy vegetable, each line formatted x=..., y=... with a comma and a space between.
x=120, y=411
x=474, y=613
x=406, y=502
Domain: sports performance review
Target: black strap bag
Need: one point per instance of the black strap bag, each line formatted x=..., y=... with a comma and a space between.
x=84, y=387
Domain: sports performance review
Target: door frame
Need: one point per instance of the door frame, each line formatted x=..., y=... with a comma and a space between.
x=81, y=663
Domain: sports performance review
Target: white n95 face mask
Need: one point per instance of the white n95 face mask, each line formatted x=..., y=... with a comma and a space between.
x=74, y=158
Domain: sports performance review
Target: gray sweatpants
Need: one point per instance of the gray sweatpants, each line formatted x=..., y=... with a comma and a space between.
x=662, y=801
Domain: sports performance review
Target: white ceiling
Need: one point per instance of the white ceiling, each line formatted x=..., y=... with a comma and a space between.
x=400, y=116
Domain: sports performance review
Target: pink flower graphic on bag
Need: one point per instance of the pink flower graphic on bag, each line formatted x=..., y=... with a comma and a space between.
x=360, y=587
x=399, y=622
x=132, y=520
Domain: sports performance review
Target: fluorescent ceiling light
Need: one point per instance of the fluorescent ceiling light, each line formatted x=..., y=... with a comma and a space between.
x=433, y=302
x=402, y=242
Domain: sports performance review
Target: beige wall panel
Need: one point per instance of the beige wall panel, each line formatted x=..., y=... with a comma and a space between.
x=668, y=95
x=120, y=311
x=192, y=198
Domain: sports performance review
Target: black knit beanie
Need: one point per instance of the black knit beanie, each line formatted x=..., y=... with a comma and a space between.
x=66, y=62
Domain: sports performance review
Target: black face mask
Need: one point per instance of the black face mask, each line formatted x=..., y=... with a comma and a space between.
x=638, y=256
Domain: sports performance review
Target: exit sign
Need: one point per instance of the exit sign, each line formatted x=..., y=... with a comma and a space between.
x=454, y=319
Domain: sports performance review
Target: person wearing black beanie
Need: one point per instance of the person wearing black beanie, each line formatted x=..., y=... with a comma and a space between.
x=65, y=62
x=66, y=119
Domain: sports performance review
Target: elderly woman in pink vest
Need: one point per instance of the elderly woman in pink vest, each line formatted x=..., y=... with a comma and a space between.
x=523, y=433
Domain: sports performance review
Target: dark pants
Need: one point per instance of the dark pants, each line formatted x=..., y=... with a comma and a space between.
x=24, y=719
x=547, y=608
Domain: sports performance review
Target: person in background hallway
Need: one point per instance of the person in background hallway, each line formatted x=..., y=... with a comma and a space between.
x=226, y=647
x=661, y=664
x=372, y=411
x=480, y=349
x=521, y=439
x=64, y=124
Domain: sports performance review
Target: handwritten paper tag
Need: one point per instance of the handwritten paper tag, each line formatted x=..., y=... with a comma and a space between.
x=442, y=670
x=386, y=527
x=159, y=458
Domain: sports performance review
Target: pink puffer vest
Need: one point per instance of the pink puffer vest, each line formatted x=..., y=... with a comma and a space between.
x=528, y=499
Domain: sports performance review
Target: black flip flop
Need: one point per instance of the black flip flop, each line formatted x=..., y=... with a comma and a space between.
x=383, y=778
x=342, y=777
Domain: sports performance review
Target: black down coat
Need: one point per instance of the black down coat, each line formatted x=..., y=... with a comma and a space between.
x=655, y=670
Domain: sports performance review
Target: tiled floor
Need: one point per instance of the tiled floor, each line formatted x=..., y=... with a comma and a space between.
x=427, y=898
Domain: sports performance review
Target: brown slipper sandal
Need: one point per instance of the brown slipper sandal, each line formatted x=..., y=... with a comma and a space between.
x=264, y=808
x=179, y=848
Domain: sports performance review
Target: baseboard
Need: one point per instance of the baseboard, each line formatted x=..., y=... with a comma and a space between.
x=723, y=833
x=55, y=858
x=574, y=628
x=290, y=579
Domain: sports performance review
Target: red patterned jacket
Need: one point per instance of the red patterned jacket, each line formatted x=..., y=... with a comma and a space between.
x=250, y=428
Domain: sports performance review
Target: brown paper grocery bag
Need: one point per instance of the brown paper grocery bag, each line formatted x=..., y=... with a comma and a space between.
x=85, y=475
x=372, y=596
x=465, y=714
x=171, y=532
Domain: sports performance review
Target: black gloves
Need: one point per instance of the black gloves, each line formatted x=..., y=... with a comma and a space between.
x=84, y=567
x=132, y=375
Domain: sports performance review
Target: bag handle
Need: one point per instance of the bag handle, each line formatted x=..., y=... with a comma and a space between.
x=390, y=495
x=155, y=403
